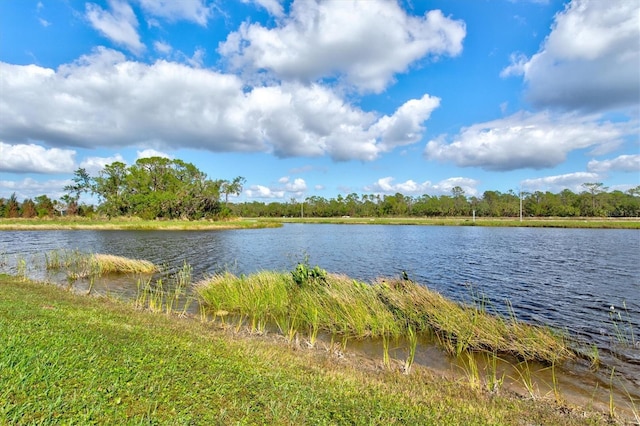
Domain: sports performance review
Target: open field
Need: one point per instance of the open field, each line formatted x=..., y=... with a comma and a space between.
x=606, y=223
x=75, y=359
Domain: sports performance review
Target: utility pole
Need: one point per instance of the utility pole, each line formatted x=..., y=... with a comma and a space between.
x=520, y=196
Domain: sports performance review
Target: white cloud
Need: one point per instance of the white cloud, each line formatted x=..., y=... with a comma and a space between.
x=558, y=183
x=259, y=191
x=386, y=185
x=405, y=125
x=589, y=60
x=363, y=43
x=30, y=188
x=525, y=140
x=148, y=153
x=119, y=25
x=162, y=47
x=272, y=6
x=94, y=165
x=104, y=100
x=44, y=22
x=298, y=186
x=190, y=10
x=31, y=158
x=622, y=163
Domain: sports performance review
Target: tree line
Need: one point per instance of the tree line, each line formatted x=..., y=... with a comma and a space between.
x=594, y=201
x=164, y=188
x=152, y=188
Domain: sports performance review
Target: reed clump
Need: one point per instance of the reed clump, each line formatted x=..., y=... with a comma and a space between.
x=83, y=265
x=386, y=308
x=109, y=263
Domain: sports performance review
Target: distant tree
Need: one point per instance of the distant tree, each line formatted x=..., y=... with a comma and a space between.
x=111, y=188
x=594, y=189
x=461, y=205
x=81, y=183
x=232, y=188
x=44, y=206
x=28, y=209
x=12, y=209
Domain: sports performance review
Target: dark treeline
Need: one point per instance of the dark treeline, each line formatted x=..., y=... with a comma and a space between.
x=173, y=189
x=595, y=200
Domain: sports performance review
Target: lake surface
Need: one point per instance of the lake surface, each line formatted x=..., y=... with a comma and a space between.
x=586, y=281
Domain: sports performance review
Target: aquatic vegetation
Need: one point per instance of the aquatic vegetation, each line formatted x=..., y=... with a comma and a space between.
x=622, y=325
x=79, y=265
x=339, y=305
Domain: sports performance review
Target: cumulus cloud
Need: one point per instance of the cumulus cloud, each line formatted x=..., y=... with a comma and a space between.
x=558, y=183
x=297, y=186
x=31, y=158
x=190, y=10
x=30, y=188
x=105, y=100
x=260, y=191
x=622, y=163
x=94, y=165
x=386, y=185
x=119, y=25
x=525, y=140
x=323, y=40
x=286, y=188
x=148, y=153
x=590, y=59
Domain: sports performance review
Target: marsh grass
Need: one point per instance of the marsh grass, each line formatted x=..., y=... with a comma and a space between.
x=387, y=308
x=168, y=296
x=79, y=265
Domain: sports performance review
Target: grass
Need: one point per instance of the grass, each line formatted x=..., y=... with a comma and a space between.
x=71, y=359
x=541, y=222
x=129, y=223
x=341, y=306
x=132, y=223
x=81, y=265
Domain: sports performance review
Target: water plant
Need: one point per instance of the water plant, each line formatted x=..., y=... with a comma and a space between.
x=622, y=326
x=493, y=382
x=387, y=308
x=412, y=338
x=21, y=268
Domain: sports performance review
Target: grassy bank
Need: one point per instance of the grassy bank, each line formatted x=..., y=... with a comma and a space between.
x=252, y=223
x=74, y=359
x=603, y=223
x=130, y=224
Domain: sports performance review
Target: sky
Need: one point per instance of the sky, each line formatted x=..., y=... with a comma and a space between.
x=324, y=98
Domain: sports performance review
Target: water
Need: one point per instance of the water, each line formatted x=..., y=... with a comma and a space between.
x=585, y=281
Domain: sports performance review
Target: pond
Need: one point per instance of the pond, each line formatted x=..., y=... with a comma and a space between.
x=585, y=281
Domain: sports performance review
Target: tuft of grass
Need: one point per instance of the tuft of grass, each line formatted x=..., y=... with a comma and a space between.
x=79, y=265
x=121, y=265
x=341, y=306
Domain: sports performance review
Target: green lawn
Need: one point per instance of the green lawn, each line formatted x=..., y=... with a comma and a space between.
x=71, y=359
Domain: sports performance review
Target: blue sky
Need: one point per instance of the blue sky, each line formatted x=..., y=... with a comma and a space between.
x=311, y=97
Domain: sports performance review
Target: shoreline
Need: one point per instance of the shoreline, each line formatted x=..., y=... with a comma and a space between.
x=135, y=224
x=336, y=380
